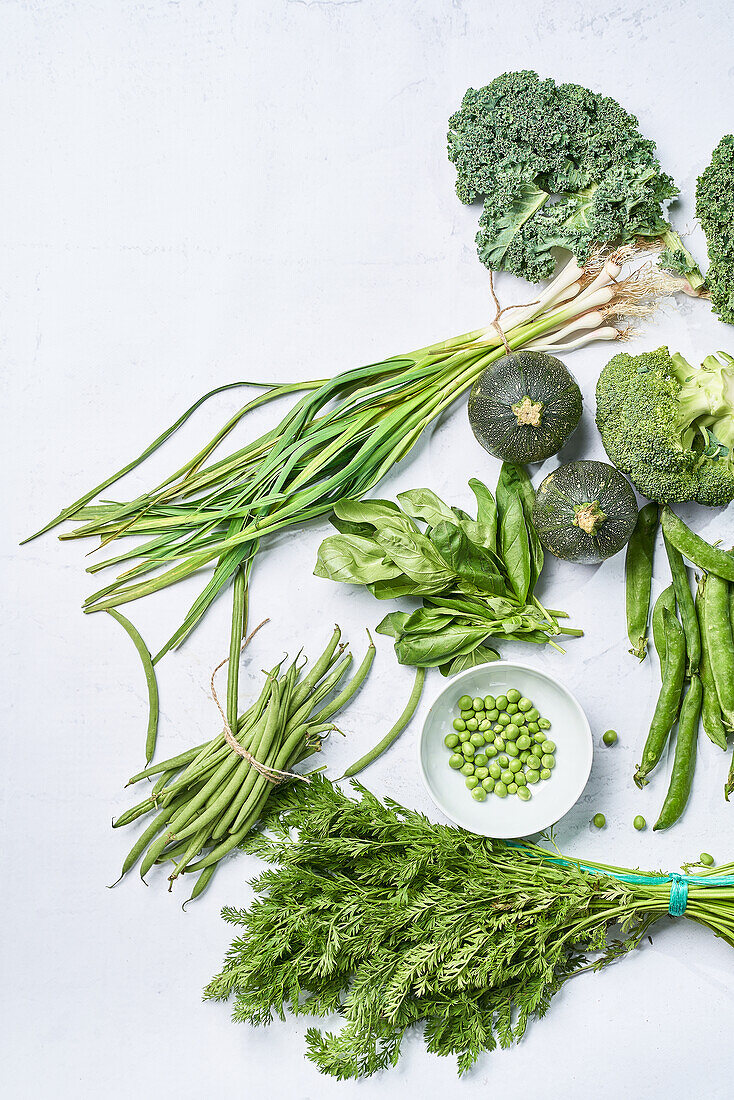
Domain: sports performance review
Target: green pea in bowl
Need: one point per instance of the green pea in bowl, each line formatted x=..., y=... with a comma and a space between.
x=551, y=762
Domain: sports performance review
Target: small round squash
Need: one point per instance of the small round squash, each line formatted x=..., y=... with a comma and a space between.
x=584, y=511
x=523, y=407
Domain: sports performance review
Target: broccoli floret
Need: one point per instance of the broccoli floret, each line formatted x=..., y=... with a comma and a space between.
x=715, y=211
x=557, y=166
x=670, y=426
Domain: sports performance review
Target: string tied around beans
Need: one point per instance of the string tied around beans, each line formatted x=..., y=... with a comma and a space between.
x=272, y=774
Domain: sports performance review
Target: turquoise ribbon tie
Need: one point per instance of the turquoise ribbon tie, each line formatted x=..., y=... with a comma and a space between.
x=678, y=895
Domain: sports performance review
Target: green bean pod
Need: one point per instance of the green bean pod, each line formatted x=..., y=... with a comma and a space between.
x=666, y=599
x=720, y=646
x=393, y=733
x=684, y=760
x=710, y=708
x=696, y=549
x=150, y=680
x=666, y=708
x=638, y=577
x=686, y=606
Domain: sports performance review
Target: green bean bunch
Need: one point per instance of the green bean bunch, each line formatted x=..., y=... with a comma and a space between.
x=695, y=644
x=206, y=800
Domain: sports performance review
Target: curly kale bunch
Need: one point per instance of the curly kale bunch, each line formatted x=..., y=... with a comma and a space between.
x=558, y=166
x=670, y=426
x=715, y=211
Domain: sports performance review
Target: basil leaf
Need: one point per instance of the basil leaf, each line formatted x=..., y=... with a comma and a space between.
x=515, y=546
x=470, y=563
x=424, y=504
x=430, y=650
x=485, y=530
x=516, y=479
x=480, y=656
x=416, y=556
x=394, y=588
x=392, y=624
x=371, y=512
x=354, y=560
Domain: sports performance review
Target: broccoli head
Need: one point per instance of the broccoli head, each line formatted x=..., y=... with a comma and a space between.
x=715, y=211
x=558, y=166
x=670, y=426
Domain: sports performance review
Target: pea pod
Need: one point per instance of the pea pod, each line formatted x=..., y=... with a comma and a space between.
x=666, y=708
x=720, y=647
x=666, y=599
x=638, y=577
x=684, y=761
x=710, y=709
x=686, y=606
x=696, y=549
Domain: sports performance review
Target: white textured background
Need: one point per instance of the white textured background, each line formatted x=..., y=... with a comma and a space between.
x=194, y=192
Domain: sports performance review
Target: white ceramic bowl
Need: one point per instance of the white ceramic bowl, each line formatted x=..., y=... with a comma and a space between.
x=508, y=817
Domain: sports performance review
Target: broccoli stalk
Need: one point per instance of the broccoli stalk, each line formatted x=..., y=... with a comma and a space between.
x=670, y=426
x=559, y=166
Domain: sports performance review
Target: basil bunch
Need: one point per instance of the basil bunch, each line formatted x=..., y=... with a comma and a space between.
x=476, y=577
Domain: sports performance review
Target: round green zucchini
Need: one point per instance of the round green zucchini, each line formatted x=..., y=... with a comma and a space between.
x=523, y=407
x=584, y=511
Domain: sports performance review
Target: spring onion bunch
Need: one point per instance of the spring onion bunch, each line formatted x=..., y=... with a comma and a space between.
x=338, y=440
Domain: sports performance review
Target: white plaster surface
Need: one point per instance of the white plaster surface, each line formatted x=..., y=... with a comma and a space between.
x=196, y=192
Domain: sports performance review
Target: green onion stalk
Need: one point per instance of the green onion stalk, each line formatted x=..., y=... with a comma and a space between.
x=337, y=440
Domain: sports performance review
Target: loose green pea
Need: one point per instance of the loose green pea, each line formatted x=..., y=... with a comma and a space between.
x=524, y=704
x=513, y=695
x=479, y=794
x=599, y=821
x=495, y=771
x=500, y=790
x=533, y=761
x=532, y=775
x=512, y=732
x=480, y=760
x=544, y=724
x=548, y=760
x=465, y=702
x=706, y=859
x=477, y=704
x=533, y=727
x=507, y=776
x=512, y=788
x=472, y=724
x=512, y=708
x=481, y=773
x=456, y=761
x=511, y=749
x=523, y=742
x=490, y=751
x=538, y=738
x=497, y=729
x=533, y=715
x=484, y=725
x=489, y=702
x=499, y=743
x=500, y=702
x=467, y=768
x=520, y=779
x=477, y=740
x=523, y=757
x=468, y=749
x=493, y=714
x=471, y=782
x=464, y=736
x=459, y=724
x=639, y=822
x=609, y=737
x=524, y=794
x=488, y=784
x=504, y=719
x=545, y=773
x=503, y=759
x=451, y=740
x=465, y=715
x=515, y=765
x=548, y=746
